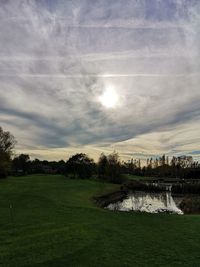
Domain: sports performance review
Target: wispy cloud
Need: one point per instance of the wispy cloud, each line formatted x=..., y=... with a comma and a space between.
x=57, y=58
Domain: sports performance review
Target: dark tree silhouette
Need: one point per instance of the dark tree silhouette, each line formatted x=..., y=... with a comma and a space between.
x=21, y=164
x=102, y=166
x=7, y=143
x=109, y=168
x=80, y=165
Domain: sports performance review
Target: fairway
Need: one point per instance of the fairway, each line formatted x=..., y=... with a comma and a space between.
x=49, y=220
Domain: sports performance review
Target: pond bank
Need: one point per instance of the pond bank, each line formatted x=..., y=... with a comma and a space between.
x=106, y=199
x=190, y=205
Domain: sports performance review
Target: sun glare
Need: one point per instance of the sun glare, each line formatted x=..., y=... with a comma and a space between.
x=109, y=98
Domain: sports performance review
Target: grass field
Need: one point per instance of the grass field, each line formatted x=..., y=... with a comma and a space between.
x=53, y=222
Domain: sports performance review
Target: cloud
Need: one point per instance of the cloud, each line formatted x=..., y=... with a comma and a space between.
x=58, y=57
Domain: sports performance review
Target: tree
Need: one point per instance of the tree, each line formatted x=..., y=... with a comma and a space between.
x=21, y=164
x=102, y=166
x=61, y=167
x=110, y=168
x=114, y=167
x=80, y=165
x=7, y=143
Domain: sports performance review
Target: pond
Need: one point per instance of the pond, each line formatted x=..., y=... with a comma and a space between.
x=148, y=202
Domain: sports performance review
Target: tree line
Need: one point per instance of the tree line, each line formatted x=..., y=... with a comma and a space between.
x=108, y=168
x=183, y=167
x=79, y=165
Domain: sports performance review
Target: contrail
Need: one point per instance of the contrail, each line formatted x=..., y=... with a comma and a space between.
x=22, y=75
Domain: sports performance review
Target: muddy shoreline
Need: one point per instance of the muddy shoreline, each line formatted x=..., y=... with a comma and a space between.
x=106, y=199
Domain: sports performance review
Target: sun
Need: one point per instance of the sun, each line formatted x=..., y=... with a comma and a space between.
x=109, y=98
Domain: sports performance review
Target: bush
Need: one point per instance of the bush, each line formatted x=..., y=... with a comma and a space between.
x=190, y=205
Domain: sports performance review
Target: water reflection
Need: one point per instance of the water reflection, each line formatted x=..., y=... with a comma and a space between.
x=147, y=202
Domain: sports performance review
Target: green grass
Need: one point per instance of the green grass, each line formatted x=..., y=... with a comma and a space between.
x=56, y=224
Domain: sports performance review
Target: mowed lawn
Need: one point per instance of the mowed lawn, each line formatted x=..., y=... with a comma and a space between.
x=53, y=222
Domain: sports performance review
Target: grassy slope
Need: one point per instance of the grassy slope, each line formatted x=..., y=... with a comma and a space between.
x=56, y=224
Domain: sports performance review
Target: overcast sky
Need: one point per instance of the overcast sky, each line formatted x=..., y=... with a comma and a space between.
x=59, y=57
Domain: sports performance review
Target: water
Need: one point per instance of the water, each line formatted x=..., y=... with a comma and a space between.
x=148, y=202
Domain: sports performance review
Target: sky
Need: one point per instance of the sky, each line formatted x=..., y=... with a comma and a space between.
x=96, y=76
